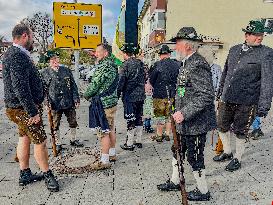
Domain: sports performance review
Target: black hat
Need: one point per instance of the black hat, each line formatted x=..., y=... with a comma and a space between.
x=129, y=48
x=164, y=50
x=187, y=33
x=50, y=54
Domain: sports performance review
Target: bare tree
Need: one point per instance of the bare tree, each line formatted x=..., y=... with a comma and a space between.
x=2, y=39
x=42, y=26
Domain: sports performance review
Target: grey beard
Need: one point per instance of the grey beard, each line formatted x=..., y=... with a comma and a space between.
x=180, y=56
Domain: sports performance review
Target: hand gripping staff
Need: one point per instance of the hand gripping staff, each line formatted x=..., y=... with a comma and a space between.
x=178, y=149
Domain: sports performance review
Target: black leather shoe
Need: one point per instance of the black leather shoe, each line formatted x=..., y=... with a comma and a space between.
x=223, y=157
x=233, y=165
x=138, y=145
x=76, y=143
x=196, y=195
x=26, y=177
x=125, y=147
x=50, y=181
x=150, y=130
x=168, y=186
x=256, y=134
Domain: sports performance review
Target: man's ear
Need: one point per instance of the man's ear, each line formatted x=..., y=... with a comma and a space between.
x=24, y=35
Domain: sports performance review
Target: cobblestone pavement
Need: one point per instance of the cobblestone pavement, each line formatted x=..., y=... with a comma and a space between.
x=133, y=178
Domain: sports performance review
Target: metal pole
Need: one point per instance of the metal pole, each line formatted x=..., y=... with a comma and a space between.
x=77, y=60
x=77, y=73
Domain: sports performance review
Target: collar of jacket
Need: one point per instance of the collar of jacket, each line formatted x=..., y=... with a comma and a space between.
x=108, y=58
x=165, y=59
x=246, y=47
x=22, y=49
x=187, y=57
x=131, y=58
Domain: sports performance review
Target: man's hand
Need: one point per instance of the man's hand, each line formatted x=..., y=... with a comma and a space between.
x=77, y=105
x=178, y=117
x=34, y=120
x=262, y=113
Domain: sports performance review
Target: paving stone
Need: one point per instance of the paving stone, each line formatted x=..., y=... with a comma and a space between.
x=133, y=178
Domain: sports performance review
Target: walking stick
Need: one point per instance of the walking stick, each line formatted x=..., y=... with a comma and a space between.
x=212, y=138
x=179, y=156
x=52, y=131
x=51, y=124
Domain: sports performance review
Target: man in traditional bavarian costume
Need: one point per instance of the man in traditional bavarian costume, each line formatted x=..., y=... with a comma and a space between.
x=102, y=92
x=131, y=85
x=63, y=96
x=245, y=91
x=24, y=95
x=195, y=111
x=163, y=79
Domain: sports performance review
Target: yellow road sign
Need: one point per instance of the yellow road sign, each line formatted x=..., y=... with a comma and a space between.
x=77, y=25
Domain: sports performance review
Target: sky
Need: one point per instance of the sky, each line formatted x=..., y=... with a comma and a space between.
x=13, y=11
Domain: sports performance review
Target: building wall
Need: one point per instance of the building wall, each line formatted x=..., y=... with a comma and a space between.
x=157, y=5
x=224, y=19
x=145, y=31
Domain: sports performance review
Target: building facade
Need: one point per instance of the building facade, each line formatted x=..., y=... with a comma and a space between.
x=144, y=26
x=152, y=28
x=220, y=22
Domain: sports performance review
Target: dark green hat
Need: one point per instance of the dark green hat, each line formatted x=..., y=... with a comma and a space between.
x=129, y=48
x=164, y=50
x=51, y=53
x=256, y=26
x=187, y=33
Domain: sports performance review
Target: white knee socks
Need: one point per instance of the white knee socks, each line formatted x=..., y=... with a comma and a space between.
x=112, y=152
x=139, y=131
x=73, y=133
x=104, y=158
x=240, y=148
x=175, y=175
x=130, y=137
x=201, y=181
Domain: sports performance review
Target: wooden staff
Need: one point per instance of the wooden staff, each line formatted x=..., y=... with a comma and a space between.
x=50, y=120
x=178, y=149
x=52, y=131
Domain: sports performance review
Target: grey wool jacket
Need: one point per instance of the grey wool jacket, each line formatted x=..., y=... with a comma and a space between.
x=164, y=73
x=23, y=86
x=132, y=80
x=61, y=87
x=248, y=77
x=196, y=102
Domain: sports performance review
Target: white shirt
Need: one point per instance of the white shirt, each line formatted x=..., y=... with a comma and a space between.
x=22, y=49
x=186, y=58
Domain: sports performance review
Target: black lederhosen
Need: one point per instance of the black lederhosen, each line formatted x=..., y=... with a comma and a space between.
x=138, y=113
x=193, y=146
x=70, y=115
x=240, y=117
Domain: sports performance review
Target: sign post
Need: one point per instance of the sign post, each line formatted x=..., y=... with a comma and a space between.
x=77, y=26
x=77, y=61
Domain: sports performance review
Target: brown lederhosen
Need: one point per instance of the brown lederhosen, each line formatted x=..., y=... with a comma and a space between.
x=35, y=132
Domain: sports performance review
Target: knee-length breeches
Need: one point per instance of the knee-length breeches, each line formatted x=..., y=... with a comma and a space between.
x=192, y=146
